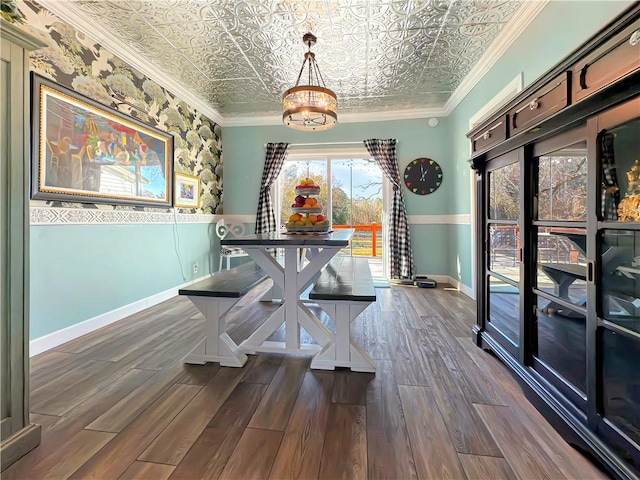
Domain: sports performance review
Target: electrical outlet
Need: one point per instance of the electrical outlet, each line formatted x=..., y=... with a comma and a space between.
x=195, y=267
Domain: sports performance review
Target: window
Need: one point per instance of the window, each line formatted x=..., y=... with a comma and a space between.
x=352, y=193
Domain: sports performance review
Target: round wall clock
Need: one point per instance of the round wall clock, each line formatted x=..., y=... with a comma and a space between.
x=423, y=176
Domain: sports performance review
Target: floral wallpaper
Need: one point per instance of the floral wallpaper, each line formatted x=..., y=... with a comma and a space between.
x=77, y=62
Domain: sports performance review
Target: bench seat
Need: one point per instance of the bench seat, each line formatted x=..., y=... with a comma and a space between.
x=565, y=269
x=214, y=296
x=232, y=283
x=563, y=275
x=344, y=290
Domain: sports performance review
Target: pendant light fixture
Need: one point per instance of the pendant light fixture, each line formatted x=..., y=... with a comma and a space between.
x=310, y=107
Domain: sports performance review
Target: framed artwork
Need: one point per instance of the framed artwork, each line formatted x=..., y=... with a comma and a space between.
x=86, y=152
x=187, y=191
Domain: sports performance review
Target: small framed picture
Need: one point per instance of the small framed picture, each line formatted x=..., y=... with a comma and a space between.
x=186, y=191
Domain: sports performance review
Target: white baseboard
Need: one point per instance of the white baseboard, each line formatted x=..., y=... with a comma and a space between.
x=468, y=291
x=54, y=339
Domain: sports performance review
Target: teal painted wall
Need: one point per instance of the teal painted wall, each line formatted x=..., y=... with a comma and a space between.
x=243, y=159
x=558, y=30
x=73, y=280
x=82, y=271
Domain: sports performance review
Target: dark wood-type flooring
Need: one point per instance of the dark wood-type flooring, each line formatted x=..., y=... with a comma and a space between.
x=119, y=404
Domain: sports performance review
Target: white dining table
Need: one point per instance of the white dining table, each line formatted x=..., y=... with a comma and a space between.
x=291, y=278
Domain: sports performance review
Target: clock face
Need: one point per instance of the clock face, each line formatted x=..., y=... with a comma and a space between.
x=423, y=176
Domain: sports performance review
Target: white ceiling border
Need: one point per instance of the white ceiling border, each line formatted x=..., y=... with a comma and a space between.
x=512, y=30
x=369, y=116
x=510, y=90
x=85, y=25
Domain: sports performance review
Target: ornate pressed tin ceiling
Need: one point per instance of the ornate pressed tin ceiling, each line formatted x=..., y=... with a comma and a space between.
x=239, y=56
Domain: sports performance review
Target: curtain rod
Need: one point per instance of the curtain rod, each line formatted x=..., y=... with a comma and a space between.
x=326, y=144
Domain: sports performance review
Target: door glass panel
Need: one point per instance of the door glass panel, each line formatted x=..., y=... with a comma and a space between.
x=561, y=264
x=562, y=184
x=504, y=248
x=350, y=196
x=504, y=191
x=561, y=341
x=620, y=170
x=620, y=270
x=621, y=382
x=357, y=203
x=504, y=308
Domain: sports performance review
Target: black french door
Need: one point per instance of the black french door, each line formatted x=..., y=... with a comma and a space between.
x=560, y=266
x=502, y=255
x=615, y=410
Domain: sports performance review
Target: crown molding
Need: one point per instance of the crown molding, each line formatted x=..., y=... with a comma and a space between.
x=382, y=116
x=84, y=24
x=509, y=91
x=253, y=121
x=512, y=30
x=368, y=117
x=521, y=20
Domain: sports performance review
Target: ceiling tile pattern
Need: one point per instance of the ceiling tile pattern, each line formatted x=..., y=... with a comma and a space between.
x=241, y=55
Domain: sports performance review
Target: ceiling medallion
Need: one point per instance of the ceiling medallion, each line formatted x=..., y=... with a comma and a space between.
x=311, y=107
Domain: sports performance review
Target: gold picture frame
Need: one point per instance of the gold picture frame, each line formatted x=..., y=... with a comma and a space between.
x=86, y=152
x=186, y=191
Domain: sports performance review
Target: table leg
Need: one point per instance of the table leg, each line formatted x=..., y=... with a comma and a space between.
x=291, y=298
x=291, y=282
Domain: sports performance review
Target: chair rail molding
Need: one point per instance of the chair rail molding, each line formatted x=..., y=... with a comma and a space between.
x=453, y=219
x=46, y=215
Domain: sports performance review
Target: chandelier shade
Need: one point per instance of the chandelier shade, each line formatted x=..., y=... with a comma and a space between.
x=311, y=107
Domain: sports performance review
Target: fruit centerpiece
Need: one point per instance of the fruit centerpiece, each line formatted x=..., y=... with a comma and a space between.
x=307, y=216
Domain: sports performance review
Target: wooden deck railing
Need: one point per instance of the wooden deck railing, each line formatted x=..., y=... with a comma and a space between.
x=373, y=228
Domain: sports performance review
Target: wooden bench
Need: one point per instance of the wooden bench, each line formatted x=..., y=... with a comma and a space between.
x=563, y=275
x=214, y=296
x=344, y=290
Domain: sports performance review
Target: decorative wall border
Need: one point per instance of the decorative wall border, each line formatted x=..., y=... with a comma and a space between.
x=45, y=215
x=84, y=216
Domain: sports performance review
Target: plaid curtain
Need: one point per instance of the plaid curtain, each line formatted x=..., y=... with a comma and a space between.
x=384, y=152
x=265, y=218
x=610, y=190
